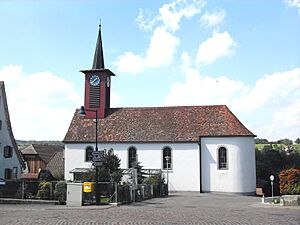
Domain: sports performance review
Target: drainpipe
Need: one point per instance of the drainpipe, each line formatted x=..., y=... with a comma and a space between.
x=200, y=164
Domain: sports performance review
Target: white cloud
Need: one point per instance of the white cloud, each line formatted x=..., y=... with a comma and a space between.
x=293, y=3
x=213, y=19
x=217, y=46
x=170, y=14
x=163, y=43
x=10, y=73
x=145, y=23
x=281, y=89
x=160, y=53
x=161, y=49
x=271, y=109
x=130, y=62
x=41, y=105
x=203, y=90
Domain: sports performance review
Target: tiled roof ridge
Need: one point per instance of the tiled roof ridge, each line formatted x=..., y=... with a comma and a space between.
x=166, y=107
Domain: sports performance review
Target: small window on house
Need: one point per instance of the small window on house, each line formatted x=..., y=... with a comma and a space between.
x=88, y=153
x=0, y=124
x=222, y=158
x=132, y=160
x=167, y=158
x=7, y=153
x=7, y=174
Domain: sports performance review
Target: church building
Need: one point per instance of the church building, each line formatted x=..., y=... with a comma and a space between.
x=203, y=148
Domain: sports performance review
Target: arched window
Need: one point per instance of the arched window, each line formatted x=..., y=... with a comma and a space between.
x=222, y=158
x=131, y=157
x=167, y=158
x=88, y=153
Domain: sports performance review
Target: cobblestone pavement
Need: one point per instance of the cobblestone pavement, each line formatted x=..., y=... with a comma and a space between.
x=178, y=208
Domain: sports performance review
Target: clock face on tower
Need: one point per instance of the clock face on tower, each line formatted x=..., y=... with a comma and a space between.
x=108, y=81
x=95, y=80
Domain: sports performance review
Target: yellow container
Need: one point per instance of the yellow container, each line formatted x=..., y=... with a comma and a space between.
x=88, y=187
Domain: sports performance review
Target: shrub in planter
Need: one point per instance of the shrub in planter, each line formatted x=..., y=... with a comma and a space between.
x=289, y=181
x=44, y=190
x=61, y=192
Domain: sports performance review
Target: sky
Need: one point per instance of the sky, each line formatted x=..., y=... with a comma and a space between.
x=243, y=54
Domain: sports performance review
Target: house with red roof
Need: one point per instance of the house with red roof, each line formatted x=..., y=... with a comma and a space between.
x=11, y=160
x=201, y=148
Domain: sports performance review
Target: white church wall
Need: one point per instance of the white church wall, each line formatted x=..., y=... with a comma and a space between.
x=240, y=177
x=183, y=176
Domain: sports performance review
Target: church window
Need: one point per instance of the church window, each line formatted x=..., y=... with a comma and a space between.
x=88, y=153
x=167, y=158
x=132, y=159
x=222, y=158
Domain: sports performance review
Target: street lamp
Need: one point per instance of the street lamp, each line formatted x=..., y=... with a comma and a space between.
x=82, y=113
x=167, y=159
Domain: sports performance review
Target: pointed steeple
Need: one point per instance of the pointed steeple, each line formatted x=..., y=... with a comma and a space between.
x=98, y=62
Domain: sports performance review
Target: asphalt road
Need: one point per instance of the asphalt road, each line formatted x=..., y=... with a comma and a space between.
x=178, y=208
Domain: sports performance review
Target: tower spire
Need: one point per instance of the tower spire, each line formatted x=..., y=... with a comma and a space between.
x=98, y=62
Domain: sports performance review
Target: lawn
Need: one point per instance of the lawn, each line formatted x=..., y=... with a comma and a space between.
x=261, y=146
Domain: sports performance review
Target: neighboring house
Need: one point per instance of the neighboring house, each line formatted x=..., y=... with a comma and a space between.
x=56, y=165
x=37, y=157
x=208, y=148
x=11, y=160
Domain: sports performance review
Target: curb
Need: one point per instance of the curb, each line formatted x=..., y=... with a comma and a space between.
x=27, y=201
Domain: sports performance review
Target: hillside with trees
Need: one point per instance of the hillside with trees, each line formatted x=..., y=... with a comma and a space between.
x=275, y=158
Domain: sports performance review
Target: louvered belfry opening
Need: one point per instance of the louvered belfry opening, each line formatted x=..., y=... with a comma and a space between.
x=94, y=97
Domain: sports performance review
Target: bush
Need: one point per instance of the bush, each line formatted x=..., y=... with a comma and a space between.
x=44, y=190
x=292, y=190
x=154, y=180
x=289, y=181
x=61, y=192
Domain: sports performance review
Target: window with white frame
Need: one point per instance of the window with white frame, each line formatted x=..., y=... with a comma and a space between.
x=88, y=153
x=222, y=158
x=132, y=159
x=167, y=158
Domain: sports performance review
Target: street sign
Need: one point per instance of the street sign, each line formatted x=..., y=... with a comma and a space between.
x=97, y=163
x=97, y=156
x=271, y=177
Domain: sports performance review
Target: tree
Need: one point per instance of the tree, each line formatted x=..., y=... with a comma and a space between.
x=297, y=141
x=261, y=141
x=110, y=171
x=285, y=141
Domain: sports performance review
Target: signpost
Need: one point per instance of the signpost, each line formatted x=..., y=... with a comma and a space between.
x=272, y=179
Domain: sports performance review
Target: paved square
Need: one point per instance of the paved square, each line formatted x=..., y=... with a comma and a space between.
x=178, y=208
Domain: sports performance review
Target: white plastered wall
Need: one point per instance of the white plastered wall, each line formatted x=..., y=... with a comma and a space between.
x=240, y=177
x=4, y=141
x=183, y=176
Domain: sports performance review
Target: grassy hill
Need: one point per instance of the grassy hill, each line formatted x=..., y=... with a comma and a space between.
x=280, y=146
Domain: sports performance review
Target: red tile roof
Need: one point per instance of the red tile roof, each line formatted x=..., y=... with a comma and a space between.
x=157, y=124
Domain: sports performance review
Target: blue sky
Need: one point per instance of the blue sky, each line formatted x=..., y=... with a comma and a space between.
x=244, y=54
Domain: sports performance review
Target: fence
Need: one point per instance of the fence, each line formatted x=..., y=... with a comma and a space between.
x=109, y=192
x=125, y=194
x=29, y=190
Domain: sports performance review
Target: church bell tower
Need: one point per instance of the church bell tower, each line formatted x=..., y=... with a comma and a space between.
x=97, y=84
